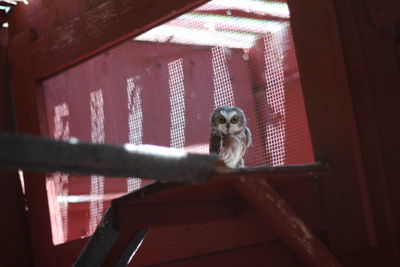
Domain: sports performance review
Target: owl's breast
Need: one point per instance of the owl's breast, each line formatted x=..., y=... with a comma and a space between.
x=233, y=148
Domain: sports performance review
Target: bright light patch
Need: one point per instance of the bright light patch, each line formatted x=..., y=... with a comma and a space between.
x=87, y=198
x=177, y=101
x=156, y=150
x=5, y=8
x=21, y=178
x=198, y=148
x=250, y=6
x=10, y=2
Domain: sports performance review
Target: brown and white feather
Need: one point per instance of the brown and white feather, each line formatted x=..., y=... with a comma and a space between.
x=230, y=136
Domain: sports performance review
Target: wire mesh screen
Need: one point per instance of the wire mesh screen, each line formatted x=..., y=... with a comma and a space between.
x=161, y=87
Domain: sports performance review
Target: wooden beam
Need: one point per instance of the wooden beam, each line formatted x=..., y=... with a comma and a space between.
x=163, y=164
x=151, y=215
x=100, y=28
x=279, y=174
x=27, y=105
x=332, y=123
x=384, y=12
x=271, y=253
x=285, y=222
x=100, y=243
x=176, y=242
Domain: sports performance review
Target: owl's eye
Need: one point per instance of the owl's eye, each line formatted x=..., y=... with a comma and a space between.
x=221, y=119
x=235, y=119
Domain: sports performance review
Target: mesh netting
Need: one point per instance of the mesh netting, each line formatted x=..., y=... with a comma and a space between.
x=161, y=87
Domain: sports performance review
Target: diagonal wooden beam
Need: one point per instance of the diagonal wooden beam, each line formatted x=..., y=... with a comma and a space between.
x=285, y=222
x=101, y=28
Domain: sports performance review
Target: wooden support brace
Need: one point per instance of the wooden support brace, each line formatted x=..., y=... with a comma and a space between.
x=285, y=222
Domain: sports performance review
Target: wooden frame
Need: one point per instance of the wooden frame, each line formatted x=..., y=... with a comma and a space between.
x=335, y=137
x=332, y=125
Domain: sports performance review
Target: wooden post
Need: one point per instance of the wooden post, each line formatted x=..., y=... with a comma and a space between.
x=25, y=91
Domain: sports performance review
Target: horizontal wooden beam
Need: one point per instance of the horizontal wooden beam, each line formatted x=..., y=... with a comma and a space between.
x=276, y=175
x=152, y=215
x=169, y=243
x=31, y=153
x=285, y=222
x=101, y=28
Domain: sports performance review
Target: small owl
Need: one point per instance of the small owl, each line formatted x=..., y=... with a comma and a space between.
x=230, y=136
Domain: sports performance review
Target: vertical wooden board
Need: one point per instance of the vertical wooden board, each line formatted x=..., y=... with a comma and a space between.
x=15, y=247
x=14, y=250
x=372, y=68
x=332, y=124
x=25, y=91
x=384, y=12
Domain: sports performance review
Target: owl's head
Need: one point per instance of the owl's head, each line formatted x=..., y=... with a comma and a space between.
x=228, y=120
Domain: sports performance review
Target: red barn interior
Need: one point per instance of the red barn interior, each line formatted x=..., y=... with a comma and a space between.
x=316, y=79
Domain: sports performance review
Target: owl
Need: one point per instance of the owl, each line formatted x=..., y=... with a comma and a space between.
x=230, y=136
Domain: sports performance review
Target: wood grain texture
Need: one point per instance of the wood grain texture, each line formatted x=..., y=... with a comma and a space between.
x=170, y=240
x=278, y=215
x=332, y=124
x=373, y=69
x=27, y=110
x=273, y=253
x=101, y=28
x=384, y=12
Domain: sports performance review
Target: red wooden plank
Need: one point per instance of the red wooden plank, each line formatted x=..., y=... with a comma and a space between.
x=149, y=215
x=27, y=110
x=285, y=222
x=172, y=243
x=369, y=77
x=277, y=175
x=14, y=250
x=67, y=253
x=101, y=28
x=332, y=124
x=262, y=254
x=384, y=12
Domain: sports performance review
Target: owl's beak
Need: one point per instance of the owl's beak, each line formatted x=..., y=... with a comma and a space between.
x=227, y=125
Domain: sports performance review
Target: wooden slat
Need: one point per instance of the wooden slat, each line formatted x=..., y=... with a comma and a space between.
x=332, y=123
x=285, y=222
x=99, y=29
x=277, y=175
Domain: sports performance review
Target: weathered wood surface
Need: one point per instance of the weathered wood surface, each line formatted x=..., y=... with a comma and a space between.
x=283, y=220
x=214, y=214
x=163, y=164
x=99, y=29
x=384, y=12
x=333, y=127
x=27, y=106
